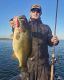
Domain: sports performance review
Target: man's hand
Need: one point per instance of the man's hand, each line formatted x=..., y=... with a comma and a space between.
x=54, y=40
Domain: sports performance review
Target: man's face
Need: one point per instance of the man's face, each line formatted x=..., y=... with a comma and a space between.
x=35, y=14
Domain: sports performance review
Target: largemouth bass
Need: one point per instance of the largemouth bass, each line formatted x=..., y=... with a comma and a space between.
x=22, y=43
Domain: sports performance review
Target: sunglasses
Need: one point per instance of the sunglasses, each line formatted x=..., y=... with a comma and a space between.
x=36, y=10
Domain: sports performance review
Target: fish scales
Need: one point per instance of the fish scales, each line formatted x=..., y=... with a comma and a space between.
x=22, y=43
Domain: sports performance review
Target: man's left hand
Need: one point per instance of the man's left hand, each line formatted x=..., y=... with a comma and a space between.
x=54, y=40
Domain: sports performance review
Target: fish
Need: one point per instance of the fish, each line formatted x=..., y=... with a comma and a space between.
x=22, y=41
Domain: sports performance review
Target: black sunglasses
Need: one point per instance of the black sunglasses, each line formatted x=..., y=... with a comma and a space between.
x=36, y=9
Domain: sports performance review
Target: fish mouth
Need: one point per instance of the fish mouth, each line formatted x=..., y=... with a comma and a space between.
x=21, y=23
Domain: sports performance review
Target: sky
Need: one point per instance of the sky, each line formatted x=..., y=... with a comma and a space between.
x=11, y=8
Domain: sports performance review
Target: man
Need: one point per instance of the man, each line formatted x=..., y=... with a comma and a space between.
x=38, y=63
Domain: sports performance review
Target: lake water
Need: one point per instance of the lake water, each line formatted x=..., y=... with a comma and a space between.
x=9, y=66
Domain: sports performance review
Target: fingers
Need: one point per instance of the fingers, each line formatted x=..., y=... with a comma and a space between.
x=54, y=40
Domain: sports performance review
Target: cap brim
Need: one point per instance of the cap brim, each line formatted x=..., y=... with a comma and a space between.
x=36, y=9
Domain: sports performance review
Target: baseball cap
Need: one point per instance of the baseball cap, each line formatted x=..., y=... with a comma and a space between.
x=36, y=7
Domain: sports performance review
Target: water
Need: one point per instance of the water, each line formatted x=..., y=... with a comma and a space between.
x=9, y=66
x=59, y=54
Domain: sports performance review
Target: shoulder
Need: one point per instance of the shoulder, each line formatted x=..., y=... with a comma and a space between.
x=45, y=27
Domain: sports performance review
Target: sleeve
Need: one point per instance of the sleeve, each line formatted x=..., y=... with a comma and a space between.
x=49, y=36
